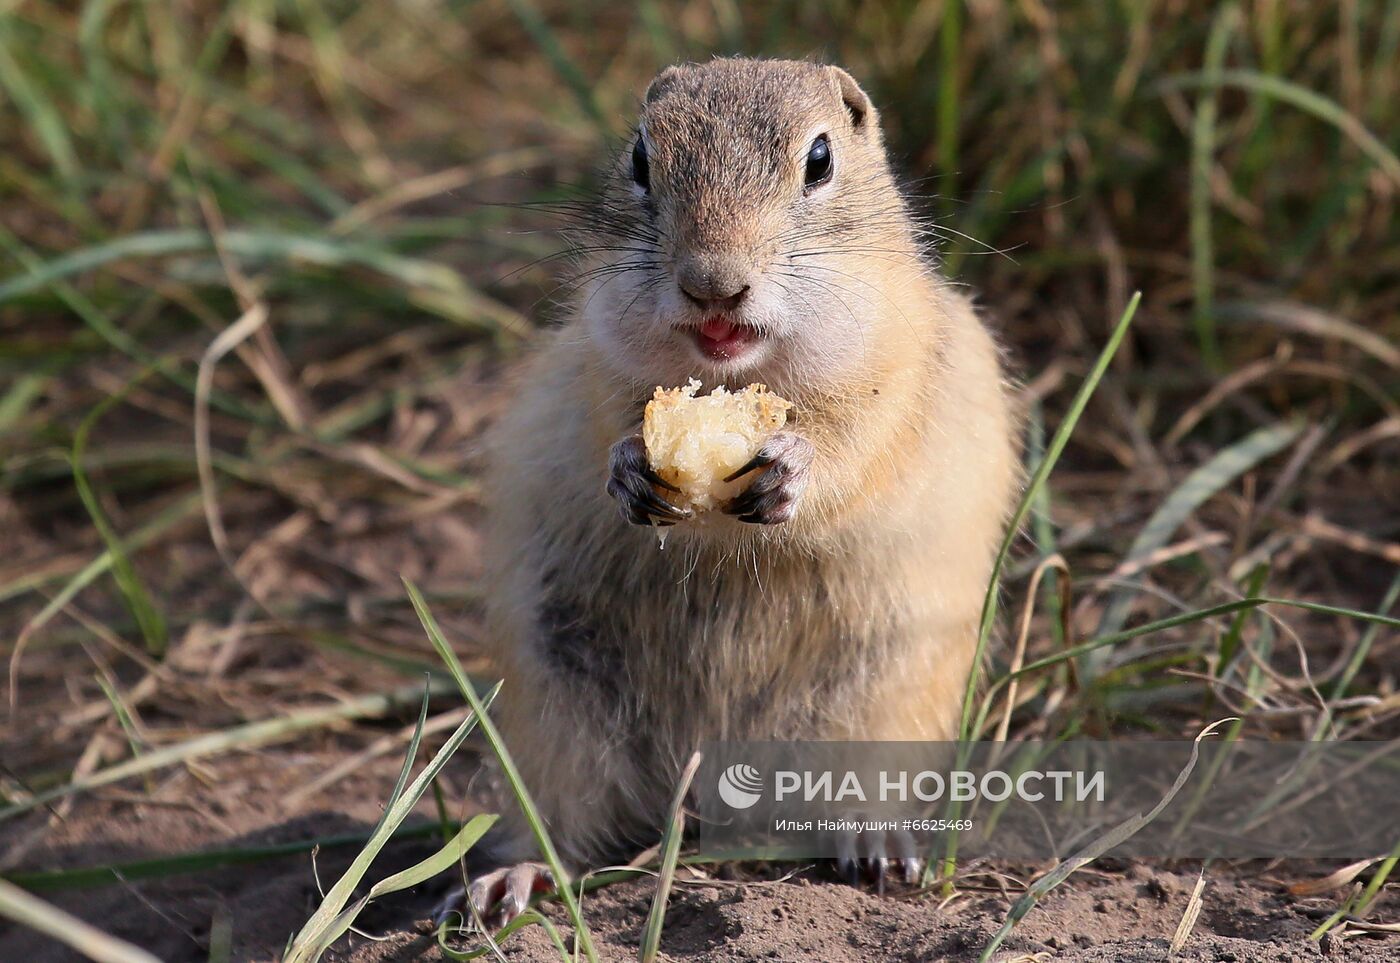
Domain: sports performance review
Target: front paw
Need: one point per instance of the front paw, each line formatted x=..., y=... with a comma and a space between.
x=633, y=483
x=784, y=464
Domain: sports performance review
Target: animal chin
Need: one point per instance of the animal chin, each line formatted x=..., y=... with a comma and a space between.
x=721, y=339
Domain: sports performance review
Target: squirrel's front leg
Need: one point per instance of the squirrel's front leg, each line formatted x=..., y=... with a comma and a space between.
x=784, y=464
x=633, y=483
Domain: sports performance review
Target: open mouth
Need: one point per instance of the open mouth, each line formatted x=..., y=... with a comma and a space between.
x=722, y=340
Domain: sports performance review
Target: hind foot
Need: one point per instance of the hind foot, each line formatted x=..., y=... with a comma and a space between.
x=876, y=856
x=497, y=897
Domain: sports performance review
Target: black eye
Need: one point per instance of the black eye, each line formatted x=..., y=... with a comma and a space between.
x=641, y=172
x=819, y=163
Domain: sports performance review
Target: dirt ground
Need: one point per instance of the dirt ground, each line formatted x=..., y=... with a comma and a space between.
x=1113, y=912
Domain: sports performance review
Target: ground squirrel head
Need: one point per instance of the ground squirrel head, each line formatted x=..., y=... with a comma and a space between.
x=745, y=230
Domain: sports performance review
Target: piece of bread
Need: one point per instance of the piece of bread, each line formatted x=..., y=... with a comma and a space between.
x=696, y=442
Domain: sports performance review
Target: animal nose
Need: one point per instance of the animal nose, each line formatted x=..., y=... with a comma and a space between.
x=720, y=302
x=714, y=287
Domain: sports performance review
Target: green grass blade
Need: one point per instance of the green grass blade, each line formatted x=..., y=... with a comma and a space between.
x=543, y=35
x=220, y=935
x=410, y=754
x=1092, y=851
x=440, y=862
x=16, y=401
x=1359, y=903
x=563, y=882
x=41, y=275
x=1174, y=621
x=1304, y=99
x=162, y=867
x=28, y=910
x=1198, y=487
x=1230, y=644
x=949, y=101
x=967, y=727
x=1038, y=479
x=1363, y=649
x=443, y=289
x=1334, y=919
x=101, y=85
x=174, y=514
x=1373, y=888
x=670, y=854
x=134, y=592
x=239, y=737
x=527, y=918
x=1043, y=527
x=319, y=931
x=123, y=714
x=45, y=120
x=1202, y=164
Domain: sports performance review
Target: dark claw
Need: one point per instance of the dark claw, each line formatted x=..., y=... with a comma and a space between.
x=903, y=851
x=772, y=497
x=631, y=480
x=757, y=461
x=763, y=486
x=766, y=510
x=657, y=480
x=660, y=506
x=756, y=500
x=508, y=908
x=849, y=868
x=875, y=858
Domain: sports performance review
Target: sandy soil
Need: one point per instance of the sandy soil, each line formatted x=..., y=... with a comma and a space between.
x=1114, y=912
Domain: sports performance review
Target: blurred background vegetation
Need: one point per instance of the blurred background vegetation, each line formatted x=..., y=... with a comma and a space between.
x=309, y=233
x=262, y=262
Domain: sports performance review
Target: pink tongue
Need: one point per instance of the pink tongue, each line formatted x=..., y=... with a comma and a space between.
x=717, y=329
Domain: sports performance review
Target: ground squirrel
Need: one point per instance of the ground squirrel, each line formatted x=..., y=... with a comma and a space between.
x=751, y=231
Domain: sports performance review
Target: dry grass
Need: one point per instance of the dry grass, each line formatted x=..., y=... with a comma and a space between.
x=304, y=234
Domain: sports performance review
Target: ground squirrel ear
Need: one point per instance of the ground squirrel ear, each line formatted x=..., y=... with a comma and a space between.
x=664, y=81
x=862, y=111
